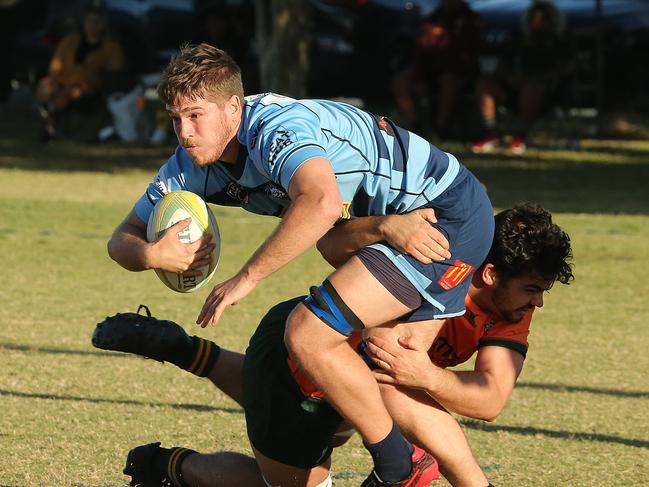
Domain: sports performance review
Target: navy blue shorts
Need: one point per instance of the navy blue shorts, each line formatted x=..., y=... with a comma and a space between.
x=465, y=216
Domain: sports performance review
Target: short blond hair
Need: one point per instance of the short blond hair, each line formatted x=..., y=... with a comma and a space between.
x=200, y=71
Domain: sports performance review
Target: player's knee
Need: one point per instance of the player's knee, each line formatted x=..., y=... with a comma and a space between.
x=308, y=338
x=296, y=336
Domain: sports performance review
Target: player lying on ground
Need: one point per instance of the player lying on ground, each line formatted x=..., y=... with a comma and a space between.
x=314, y=162
x=528, y=255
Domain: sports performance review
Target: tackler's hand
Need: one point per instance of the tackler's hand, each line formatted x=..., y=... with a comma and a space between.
x=402, y=363
x=413, y=234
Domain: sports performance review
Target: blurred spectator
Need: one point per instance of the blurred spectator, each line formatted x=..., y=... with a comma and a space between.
x=445, y=59
x=530, y=70
x=230, y=27
x=8, y=17
x=78, y=69
x=218, y=26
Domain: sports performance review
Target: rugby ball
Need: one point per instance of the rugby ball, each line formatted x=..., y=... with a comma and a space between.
x=169, y=210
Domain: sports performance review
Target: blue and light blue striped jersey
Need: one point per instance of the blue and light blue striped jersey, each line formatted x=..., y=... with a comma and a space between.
x=380, y=168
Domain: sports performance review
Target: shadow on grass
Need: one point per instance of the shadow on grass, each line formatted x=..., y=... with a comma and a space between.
x=590, y=390
x=57, y=397
x=566, y=435
x=63, y=351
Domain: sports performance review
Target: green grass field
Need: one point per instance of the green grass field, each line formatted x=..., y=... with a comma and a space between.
x=69, y=413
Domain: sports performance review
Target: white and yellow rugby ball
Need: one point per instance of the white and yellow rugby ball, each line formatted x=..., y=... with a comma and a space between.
x=169, y=210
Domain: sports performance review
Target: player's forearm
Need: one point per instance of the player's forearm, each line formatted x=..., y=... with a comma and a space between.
x=474, y=394
x=130, y=250
x=341, y=242
x=306, y=221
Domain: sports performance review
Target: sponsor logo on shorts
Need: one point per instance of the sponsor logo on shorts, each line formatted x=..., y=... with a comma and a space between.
x=345, y=215
x=455, y=274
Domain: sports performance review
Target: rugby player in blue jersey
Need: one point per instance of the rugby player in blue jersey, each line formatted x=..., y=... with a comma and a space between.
x=313, y=162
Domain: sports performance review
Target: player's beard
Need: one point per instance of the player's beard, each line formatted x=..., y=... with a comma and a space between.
x=212, y=147
x=516, y=315
x=502, y=301
x=204, y=156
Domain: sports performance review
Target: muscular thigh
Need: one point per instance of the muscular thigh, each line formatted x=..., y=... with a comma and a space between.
x=370, y=301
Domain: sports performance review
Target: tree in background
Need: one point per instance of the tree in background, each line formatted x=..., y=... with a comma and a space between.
x=282, y=38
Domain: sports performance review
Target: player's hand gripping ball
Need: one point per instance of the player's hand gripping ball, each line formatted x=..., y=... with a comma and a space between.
x=169, y=210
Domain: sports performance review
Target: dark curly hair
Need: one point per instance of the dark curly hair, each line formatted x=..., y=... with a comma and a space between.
x=527, y=242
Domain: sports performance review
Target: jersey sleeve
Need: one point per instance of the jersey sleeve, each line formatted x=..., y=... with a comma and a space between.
x=509, y=335
x=286, y=140
x=176, y=174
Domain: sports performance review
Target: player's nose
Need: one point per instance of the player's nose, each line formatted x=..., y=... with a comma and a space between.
x=183, y=129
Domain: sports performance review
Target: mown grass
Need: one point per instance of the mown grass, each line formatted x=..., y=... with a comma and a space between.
x=70, y=412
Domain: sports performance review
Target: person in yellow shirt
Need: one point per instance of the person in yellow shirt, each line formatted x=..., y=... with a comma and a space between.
x=78, y=67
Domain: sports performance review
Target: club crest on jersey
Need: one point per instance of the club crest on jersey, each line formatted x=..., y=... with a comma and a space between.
x=455, y=274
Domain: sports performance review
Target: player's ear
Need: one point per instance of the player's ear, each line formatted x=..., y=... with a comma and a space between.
x=233, y=105
x=489, y=275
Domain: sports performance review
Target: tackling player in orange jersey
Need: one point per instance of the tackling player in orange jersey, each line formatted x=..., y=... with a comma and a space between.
x=529, y=254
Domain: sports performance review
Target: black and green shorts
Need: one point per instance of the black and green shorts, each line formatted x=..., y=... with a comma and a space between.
x=282, y=423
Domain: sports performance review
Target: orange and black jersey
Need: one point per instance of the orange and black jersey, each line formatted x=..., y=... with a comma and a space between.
x=460, y=337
